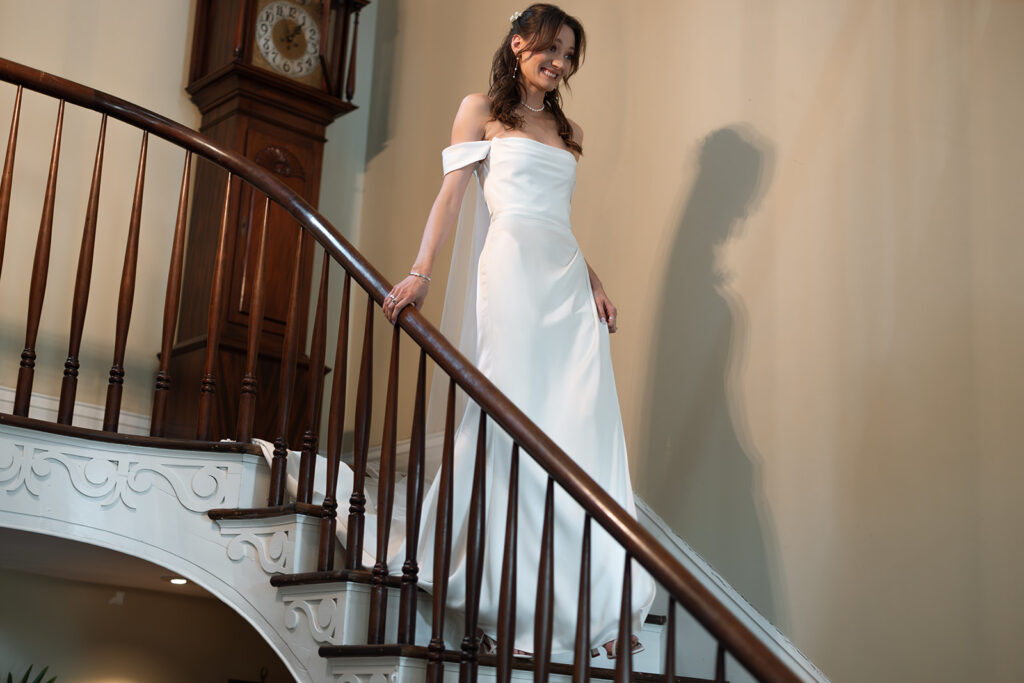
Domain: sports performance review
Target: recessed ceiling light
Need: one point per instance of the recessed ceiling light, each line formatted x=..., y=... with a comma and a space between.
x=176, y=580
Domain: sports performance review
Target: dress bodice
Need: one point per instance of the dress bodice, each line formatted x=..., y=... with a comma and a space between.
x=520, y=176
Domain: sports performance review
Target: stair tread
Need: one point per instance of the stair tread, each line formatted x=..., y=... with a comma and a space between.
x=422, y=652
x=212, y=447
x=364, y=576
x=265, y=512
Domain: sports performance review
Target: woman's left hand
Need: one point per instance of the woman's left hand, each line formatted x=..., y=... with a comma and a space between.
x=606, y=310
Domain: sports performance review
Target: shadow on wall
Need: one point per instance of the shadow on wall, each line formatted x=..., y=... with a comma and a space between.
x=384, y=57
x=702, y=471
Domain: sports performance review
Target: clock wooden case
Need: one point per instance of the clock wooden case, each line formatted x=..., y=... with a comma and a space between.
x=268, y=77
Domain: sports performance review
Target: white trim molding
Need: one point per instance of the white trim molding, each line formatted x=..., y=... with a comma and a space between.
x=87, y=415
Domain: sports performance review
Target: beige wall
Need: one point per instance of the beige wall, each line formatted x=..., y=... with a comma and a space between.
x=87, y=633
x=808, y=214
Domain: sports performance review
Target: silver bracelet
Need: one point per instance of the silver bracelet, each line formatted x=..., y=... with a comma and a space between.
x=421, y=275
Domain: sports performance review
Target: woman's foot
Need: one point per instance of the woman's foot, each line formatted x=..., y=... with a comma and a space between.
x=610, y=647
x=489, y=646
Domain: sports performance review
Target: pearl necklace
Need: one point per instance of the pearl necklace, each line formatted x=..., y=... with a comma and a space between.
x=542, y=106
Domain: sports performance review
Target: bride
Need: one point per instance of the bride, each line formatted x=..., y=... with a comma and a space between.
x=539, y=322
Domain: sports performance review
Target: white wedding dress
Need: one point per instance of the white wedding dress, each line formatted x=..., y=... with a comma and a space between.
x=534, y=331
x=540, y=341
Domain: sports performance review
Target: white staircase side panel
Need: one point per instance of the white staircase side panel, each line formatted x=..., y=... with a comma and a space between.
x=152, y=504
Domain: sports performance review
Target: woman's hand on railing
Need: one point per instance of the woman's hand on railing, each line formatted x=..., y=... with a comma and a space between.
x=411, y=291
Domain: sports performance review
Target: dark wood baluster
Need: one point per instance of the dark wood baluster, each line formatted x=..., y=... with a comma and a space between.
x=171, y=302
x=289, y=358
x=37, y=286
x=623, y=646
x=317, y=351
x=413, y=503
x=720, y=664
x=475, y=555
x=360, y=444
x=350, y=80
x=581, y=666
x=670, y=643
x=69, y=384
x=208, y=385
x=8, y=175
x=545, y=610
x=125, y=298
x=442, y=544
x=385, y=498
x=507, y=599
x=336, y=423
x=250, y=384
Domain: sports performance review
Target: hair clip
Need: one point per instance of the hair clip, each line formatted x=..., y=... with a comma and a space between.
x=515, y=15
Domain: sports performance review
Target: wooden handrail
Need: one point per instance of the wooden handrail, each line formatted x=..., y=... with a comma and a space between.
x=639, y=543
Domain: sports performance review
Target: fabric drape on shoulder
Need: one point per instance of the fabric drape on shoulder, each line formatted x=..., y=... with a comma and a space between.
x=458, y=321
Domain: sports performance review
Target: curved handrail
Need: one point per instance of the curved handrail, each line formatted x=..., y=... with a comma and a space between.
x=753, y=654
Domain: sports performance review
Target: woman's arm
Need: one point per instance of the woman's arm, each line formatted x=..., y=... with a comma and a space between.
x=412, y=290
x=605, y=308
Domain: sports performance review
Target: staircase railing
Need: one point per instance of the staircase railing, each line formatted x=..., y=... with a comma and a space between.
x=640, y=546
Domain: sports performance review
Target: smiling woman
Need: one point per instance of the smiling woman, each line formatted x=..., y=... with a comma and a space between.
x=524, y=306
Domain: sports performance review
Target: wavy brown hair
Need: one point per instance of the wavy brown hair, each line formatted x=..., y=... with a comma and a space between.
x=538, y=24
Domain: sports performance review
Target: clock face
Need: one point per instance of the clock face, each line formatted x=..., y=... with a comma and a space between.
x=288, y=38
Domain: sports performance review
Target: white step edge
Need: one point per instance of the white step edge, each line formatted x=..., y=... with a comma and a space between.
x=87, y=415
x=764, y=630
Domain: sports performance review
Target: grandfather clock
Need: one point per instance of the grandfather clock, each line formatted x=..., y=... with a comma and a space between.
x=268, y=77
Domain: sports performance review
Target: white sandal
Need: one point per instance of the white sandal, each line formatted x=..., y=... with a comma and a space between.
x=612, y=651
x=489, y=646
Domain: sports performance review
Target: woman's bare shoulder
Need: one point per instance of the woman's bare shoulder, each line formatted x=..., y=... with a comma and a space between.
x=473, y=114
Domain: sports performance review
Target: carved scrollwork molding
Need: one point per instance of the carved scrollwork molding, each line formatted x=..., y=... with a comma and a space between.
x=113, y=478
x=323, y=615
x=368, y=677
x=376, y=670
x=273, y=548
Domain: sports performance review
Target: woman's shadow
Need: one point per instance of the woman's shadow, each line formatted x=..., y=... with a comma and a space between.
x=702, y=472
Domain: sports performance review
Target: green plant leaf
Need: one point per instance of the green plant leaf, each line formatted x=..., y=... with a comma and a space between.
x=39, y=678
x=24, y=679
